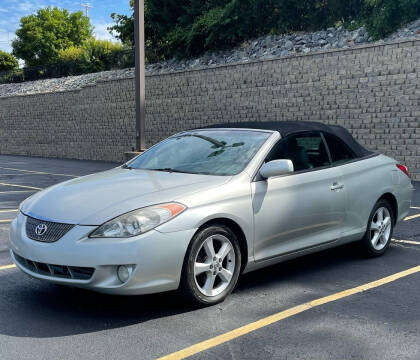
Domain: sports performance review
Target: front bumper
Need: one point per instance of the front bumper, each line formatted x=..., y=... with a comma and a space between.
x=155, y=258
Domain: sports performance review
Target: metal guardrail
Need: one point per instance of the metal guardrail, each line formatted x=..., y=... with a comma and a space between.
x=116, y=60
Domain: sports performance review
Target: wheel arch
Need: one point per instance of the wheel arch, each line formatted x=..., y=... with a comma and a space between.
x=236, y=228
x=392, y=200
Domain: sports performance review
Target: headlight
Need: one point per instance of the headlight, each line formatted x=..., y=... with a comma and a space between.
x=138, y=221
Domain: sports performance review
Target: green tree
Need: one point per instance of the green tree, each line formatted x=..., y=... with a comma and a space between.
x=187, y=28
x=124, y=26
x=123, y=29
x=72, y=53
x=7, y=61
x=385, y=16
x=41, y=36
x=236, y=20
x=95, y=55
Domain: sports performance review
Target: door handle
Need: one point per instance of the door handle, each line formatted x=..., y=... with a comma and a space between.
x=336, y=186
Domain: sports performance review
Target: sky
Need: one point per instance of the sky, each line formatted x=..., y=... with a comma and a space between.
x=12, y=10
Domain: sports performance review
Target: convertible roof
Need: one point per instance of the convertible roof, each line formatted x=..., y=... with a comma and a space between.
x=286, y=128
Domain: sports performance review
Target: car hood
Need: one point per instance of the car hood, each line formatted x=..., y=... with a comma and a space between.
x=97, y=198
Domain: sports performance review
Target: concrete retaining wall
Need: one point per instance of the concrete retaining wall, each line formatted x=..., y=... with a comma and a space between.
x=374, y=91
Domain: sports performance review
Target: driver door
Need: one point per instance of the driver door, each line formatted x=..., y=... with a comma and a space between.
x=300, y=210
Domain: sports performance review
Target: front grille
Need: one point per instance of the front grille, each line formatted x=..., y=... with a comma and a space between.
x=58, y=271
x=53, y=231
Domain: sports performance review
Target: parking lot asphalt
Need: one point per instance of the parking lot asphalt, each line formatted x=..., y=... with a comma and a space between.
x=381, y=321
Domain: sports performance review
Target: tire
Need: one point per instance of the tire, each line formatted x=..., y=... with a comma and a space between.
x=378, y=234
x=214, y=279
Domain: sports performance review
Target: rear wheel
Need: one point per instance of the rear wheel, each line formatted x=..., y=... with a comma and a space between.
x=379, y=230
x=212, y=266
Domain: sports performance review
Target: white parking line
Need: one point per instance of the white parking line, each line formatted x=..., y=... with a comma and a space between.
x=4, y=267
x=9, y=210
x=415, y=207
x=38, y=172
x=19, y=174
x=406, y=242
x=17, y=191
x=412, y=217
x=6, y=221
x=21, y=186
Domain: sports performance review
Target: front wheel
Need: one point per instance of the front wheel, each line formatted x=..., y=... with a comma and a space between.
x=212, y=265
x=379, y=230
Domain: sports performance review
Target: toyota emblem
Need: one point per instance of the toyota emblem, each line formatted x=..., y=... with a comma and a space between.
x=41, y=229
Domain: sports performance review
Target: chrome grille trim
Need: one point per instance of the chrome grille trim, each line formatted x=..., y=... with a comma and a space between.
x=55, y=231
x=57, y=271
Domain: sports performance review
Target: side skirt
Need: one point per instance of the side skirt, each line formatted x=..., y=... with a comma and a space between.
x=251, y=266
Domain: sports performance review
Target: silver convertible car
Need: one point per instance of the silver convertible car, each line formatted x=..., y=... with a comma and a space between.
x=203, y=206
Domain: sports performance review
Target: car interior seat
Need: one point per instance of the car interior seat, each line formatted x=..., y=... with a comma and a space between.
x=288, y=148
x=297, y=154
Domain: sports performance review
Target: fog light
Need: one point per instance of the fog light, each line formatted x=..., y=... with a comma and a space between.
x=123, y=273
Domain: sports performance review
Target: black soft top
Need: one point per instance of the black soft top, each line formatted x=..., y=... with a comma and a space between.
x=286, y=128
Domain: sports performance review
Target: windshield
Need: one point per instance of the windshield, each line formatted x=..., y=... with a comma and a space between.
x=212, y=152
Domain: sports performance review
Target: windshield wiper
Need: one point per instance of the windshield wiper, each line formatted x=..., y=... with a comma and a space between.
x=170, y=170
x=215, y=142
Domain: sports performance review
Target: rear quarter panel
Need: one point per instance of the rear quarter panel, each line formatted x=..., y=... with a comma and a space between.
x=365, y=181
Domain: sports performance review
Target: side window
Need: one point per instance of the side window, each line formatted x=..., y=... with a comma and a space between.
x=306, y=150
x=340, y=152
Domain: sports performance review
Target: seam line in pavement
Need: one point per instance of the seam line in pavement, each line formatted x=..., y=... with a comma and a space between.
x=21, y=186
x=4, y=267
x=412, y=217
x=38, y=172
x=246, y=329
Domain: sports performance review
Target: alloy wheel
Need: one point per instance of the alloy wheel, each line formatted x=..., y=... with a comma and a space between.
x=380, y=228
x=214, y=265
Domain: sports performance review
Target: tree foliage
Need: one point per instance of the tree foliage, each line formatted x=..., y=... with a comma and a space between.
x=188, y=27
x=95, y=55
x=384, y=16
x=7, y=61
x=42, y=36
x=123, y=29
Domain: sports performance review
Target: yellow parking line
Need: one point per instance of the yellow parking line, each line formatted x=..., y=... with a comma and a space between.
x=412, y=217
x=6, y=221
x=21, y=186
x=406, y=242
x=9, y=210
x=38, y=172
x=4, y=267
x=218, y=340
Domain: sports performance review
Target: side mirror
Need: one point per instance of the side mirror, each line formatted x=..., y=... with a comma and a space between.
x=276, y=168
